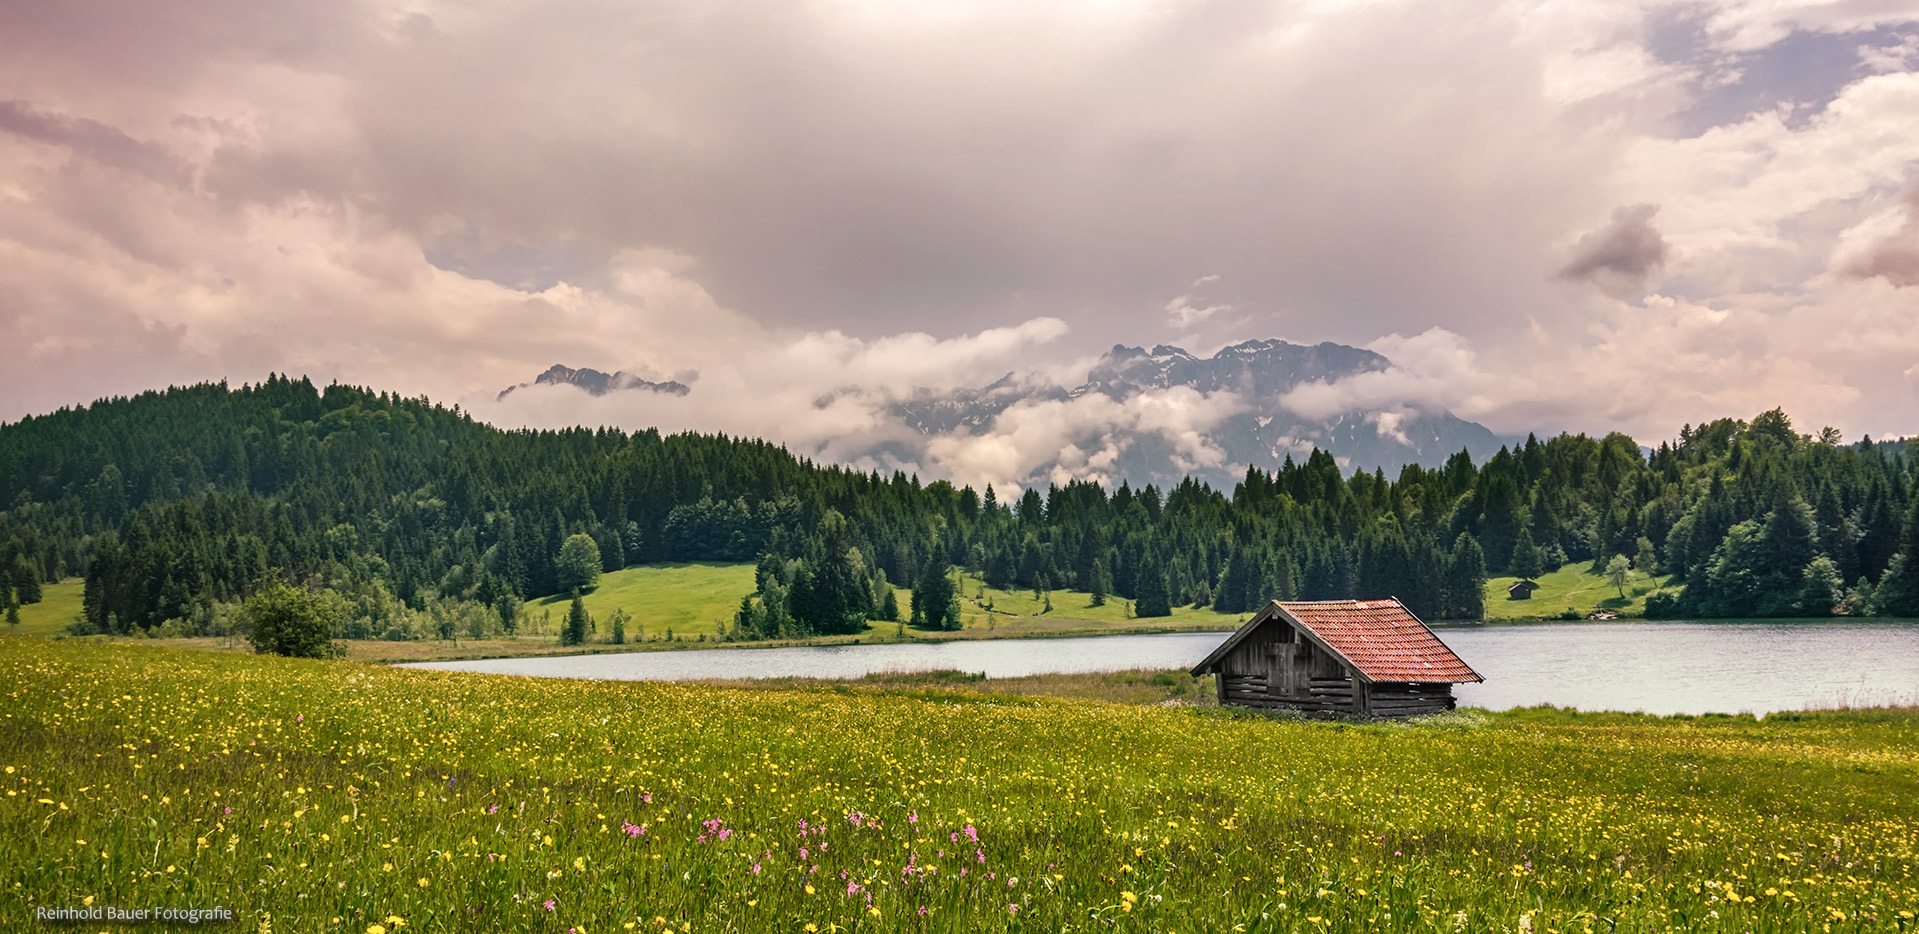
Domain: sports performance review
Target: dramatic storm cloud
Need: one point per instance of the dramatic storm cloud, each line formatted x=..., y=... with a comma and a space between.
x=1588, y=216
x=1621, y=255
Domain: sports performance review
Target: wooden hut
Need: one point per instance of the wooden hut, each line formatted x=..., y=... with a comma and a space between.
x=1368, y=658
x=1521, y=590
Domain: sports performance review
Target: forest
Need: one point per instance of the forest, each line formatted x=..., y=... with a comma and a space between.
x=413, y=520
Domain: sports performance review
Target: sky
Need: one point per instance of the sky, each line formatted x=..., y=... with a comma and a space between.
x=1586, y=216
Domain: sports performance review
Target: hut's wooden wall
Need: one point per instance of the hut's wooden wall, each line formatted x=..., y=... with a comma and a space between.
x=1276, y=666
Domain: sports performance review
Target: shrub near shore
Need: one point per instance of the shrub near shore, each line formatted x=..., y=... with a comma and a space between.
x=342, y=797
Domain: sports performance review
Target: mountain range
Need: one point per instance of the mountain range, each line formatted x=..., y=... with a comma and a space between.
x=1262, y=430
x=597, y=383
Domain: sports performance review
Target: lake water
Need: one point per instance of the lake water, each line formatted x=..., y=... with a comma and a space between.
x=1662, y=668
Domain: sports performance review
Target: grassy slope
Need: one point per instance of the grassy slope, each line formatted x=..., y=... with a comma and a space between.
x=1018, y=610
x=1570, y=586
x=59, y=605
x=688, y=598
x=335, y=796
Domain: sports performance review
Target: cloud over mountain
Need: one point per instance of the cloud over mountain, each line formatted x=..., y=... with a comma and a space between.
x=1145, y=415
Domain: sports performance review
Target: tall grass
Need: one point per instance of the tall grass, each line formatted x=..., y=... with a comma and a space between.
x=314, y=796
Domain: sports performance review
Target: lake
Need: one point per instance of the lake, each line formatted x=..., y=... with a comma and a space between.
x=1655, y=667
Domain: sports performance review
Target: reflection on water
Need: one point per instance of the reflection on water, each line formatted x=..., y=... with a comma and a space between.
x=1756, y=667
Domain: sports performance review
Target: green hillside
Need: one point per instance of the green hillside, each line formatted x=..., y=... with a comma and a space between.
x=689, y=599
x=1011, y=607
x=59, y=606
x=1571, y=586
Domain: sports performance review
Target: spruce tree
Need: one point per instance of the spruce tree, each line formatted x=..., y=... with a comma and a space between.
x=935, y=597
x=1153, y=597
x=1466, y=580
x=749, y=620
x=1526, y=556
x=573, y=631
x=1898, y=593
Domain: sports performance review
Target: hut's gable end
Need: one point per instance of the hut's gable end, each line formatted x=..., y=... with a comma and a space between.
x=1277, y=664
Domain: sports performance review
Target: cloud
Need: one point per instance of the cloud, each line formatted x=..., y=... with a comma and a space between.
x=1184, y=313
x=1622, y=255
x=1891, y=247
x=1434, y=370
x=92, y=140
x=1059, y=432
x=826, y=395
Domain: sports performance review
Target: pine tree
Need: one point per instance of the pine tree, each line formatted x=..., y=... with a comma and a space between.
x=573, y=631
x=1526, y=556
x=26, y=582
x=1898, y=593
x=749, y=620
x=1153, y=597
x=1466, y=580
x=935, y=596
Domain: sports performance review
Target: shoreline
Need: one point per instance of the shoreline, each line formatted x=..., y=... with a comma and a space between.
x=381, y=652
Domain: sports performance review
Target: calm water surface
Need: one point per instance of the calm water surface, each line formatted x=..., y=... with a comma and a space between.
x=1663, y=668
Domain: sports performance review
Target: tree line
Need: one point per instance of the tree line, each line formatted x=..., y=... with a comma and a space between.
x=174, y=504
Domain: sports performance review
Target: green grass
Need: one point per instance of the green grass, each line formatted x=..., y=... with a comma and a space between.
x=316, y=796
x=1570, y=586
x=1077, y=605
x=59, y=606
x=689, y=599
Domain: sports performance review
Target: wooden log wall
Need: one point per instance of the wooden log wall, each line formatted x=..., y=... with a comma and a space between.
x=1277, y=667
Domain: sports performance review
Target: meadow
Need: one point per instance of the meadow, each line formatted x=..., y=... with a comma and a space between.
x=326, y=796
x=679, y=606
x=1572, y=586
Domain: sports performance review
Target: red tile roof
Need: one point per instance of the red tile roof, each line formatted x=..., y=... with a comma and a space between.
x=1382, y=639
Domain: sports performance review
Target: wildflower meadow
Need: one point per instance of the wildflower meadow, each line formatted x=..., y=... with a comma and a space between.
x=325, y=796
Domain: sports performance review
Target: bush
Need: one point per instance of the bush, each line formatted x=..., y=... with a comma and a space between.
x=287, y=620
x=1663, y=604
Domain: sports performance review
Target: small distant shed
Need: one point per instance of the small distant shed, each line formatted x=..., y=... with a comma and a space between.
x=1370, y=658
x=1521, y=590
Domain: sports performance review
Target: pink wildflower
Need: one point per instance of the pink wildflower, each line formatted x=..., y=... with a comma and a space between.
x=549, y=904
